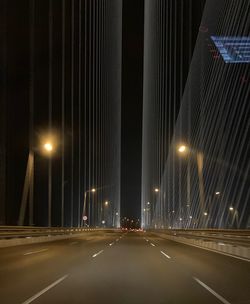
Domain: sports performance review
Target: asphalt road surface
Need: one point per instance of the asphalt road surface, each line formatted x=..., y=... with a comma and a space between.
x=122, y=268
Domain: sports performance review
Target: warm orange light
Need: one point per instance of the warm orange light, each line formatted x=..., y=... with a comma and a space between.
x=48, y=146
x=182, y=149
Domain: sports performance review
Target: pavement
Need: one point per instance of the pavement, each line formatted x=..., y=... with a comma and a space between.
x=123, y=268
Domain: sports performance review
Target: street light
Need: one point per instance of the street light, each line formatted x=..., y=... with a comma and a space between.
x=156, y=190
x=200, y=161
x=93, y=190
x=106, y=203
x=217, y=193
x=182, y=149
x=48, y=146
x=48, y=143
x=235, y=217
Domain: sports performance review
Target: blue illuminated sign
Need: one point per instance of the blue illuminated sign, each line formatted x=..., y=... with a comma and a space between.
x=233, y=49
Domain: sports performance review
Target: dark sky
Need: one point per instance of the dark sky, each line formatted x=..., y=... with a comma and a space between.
x=132, y=95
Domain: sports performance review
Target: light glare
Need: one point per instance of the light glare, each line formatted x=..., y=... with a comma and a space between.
x=48, y=147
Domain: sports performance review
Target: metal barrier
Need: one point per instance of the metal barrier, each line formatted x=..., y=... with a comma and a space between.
x=10, y=232
x=239, y=237
x=230, y=242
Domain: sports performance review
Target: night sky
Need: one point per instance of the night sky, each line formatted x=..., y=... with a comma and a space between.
x=132, y=96
x=15, y=82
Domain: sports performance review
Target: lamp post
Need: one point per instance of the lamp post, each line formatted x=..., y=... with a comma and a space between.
x=152, y=209
x=47, y=148
x=235, y=217
x=183, y=149
x=93, y=190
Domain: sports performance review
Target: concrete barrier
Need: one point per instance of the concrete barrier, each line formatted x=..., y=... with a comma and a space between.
x=241, y=252
x=43, y=239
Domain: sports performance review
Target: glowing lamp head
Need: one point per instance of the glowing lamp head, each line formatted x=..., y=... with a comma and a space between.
x=156, y=190
x=205, y=213
x=182, y=149
x=217, y=193
x=48, y=147
x=93, y=190
x=106, y=203
x=231, y=208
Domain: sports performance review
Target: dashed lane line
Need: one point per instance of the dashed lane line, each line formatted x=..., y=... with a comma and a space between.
x=219, y=297
x=38, y=251
x=167, y=256
x=73, y=243
x=45, y=290
x=96, y=254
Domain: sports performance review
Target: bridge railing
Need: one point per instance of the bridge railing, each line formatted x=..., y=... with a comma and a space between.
x=227, y=241
x=10, y=232
x=229, y=236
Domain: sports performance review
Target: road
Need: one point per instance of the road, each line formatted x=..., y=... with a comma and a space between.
x=124, y=268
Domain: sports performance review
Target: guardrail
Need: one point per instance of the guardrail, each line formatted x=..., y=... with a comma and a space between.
x=229, y=236
x=9, y=232
x=19, y=235
x=230, y=242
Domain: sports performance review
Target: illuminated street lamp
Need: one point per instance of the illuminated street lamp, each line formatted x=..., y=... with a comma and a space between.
x=48, y=147
x=199, y=159
x=235, y=216
x=217, y=193
x=48, y=144
x=205, y=213
x=84, y=216
x=106, y=203
x=156, y=190
x=182, y=149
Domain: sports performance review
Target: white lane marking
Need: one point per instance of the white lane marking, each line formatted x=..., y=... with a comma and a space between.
x=212, y=291
x=73, y=243
x=96, y=254
x=152, y=244
x=33, y=252
x=45, y=290
x=167, y=256
x=111, y=244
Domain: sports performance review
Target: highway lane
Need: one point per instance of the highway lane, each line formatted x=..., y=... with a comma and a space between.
x=120, y=268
